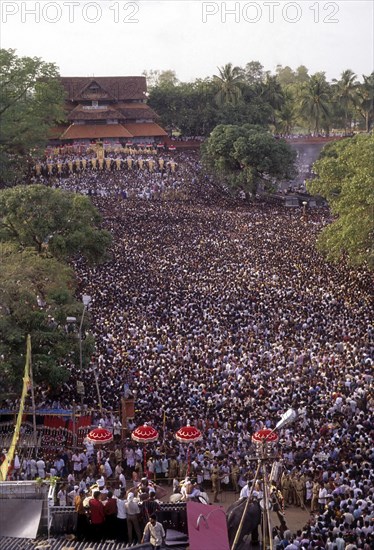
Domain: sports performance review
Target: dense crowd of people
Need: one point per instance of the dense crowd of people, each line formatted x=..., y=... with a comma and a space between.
x=224, y=314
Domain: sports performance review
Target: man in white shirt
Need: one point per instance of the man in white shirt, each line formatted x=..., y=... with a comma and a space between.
x=121, y=517
x=40, y=464
x=155, y=531
x=77, y=463
x=322, y=497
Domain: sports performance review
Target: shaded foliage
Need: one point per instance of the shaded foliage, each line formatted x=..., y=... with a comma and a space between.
x=54, y=222
x=248, y=155
x=31, y=101
x=345, y=178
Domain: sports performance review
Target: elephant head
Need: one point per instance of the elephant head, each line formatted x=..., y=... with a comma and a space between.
x=251, y=520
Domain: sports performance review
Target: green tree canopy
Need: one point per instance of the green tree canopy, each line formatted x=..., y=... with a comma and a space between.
x=345, y=178
x=315, y=101
x=229, y=84
x=52, y=221
x=247, y=155
x=365, y=100
x=36, y=297
x=345, y=92
x=31, y=101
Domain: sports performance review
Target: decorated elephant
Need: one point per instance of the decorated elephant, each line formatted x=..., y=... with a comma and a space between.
x=250, y=523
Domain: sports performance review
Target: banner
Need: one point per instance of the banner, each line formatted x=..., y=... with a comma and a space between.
x=26, y=385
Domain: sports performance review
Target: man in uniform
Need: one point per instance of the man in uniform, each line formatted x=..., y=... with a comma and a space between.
x=235, y=472
x=286, y=484
x=300, y=490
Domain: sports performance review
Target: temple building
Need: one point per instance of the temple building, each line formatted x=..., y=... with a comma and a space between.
x=112, y=110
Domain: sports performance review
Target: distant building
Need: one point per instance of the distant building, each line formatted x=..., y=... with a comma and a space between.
x=107, y=109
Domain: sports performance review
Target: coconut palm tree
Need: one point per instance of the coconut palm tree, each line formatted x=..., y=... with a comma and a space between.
x=345, y=91
x=271, y=91
x=286, y=117
x=365, y=100
x=229, y=82
x=315, y=101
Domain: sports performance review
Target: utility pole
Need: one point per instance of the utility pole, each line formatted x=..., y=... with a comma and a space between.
x=86, y=299
x=74, y=411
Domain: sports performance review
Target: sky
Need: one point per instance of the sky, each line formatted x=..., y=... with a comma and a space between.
x=191, y=37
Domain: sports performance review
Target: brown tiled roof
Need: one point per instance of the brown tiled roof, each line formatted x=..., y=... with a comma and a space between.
x=79, y=113
x=146, y=129
x=55, y=131
x=96, y=131
x=135, y=111
x=117, y=87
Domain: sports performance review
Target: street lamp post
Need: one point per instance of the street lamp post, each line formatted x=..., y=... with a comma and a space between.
x=86, y=299
x=305, y=204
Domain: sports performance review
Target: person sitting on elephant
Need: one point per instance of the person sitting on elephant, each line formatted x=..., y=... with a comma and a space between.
x=192, y=491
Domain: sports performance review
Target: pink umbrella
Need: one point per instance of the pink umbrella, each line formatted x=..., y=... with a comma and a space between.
x=188, y=434
x=144, y=434
x=100, y=436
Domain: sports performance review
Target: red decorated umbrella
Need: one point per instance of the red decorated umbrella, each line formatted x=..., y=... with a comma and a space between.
x=264, y=440
x=188, y=434
x=100, y=436
x=144, y=434
x=265, y=435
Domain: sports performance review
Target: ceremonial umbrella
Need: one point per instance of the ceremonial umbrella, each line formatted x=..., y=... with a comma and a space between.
x=188, y=434
x=263, y=441
x=264, y=435
x=144, y=434
x=100, y=436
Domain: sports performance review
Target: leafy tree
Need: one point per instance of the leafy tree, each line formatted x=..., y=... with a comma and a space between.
x=365, y=100
x=36, y=297
x=345, y=178
x=160, y=78
x=345, y=92
x=53, y=222
x=254, y=72
x=247, y=156
x=272, y=93
x=31, y=100
x=229, y=83
x=287, y=116
x=167, y=78
x=315, y=101
x=301, y=74
x=285, y=75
